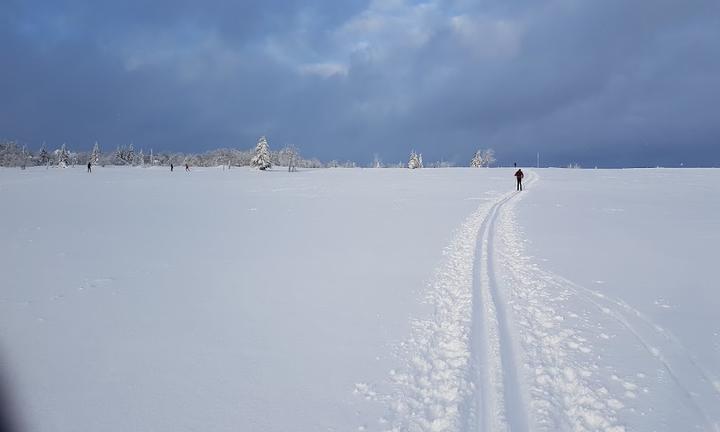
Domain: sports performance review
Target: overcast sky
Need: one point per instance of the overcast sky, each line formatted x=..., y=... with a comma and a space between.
x=609, y=83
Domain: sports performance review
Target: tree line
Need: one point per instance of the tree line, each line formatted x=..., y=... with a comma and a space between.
x=13, y=154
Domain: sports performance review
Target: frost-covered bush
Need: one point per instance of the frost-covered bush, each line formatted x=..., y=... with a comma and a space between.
x=483, y=158
x=124, y=155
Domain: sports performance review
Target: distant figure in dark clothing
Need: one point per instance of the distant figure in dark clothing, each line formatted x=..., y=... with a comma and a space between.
x=171, y=167
x=89, y=167
x=519, y=176
x=187, y=167
x=515, y=164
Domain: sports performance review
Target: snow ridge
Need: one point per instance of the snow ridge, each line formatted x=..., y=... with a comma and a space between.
x=431, y=392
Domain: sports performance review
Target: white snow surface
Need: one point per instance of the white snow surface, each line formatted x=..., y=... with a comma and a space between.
x=361, y=299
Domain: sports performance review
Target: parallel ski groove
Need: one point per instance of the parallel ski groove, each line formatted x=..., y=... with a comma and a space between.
x=494, y=369
x=514, y=400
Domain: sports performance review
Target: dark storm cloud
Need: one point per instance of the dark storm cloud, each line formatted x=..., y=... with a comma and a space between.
x=600, y=83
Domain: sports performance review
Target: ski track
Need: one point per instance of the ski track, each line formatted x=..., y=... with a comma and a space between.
x=497, y=402
x=513, y=347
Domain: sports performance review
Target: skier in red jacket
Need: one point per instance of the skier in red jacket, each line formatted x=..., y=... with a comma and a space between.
x=519, y=176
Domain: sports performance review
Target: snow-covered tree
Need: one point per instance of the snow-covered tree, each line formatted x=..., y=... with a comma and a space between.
x=415, y=160
x=95, y=155
x=139, y=159
x=289, y=156
x=292, y=156
x=261, y=160
x=476, y=161
x=24, y=156
x=11, y=154
x=43, y=156
x=130, y=154
x=483, y=158
x=124, y=155
x=119, y=158
x=62, y=156
x=74, y=158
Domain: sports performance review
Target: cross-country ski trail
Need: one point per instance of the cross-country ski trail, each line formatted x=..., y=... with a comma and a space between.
x=514, y=347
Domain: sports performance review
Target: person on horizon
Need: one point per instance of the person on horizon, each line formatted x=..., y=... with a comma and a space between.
x=519, y=176
x=89, y=167
x=187, y=167
x=171, y=167
x=515, y=164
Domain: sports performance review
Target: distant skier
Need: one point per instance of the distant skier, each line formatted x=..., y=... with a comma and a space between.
x=187, y=167
x=89, y=167
x=171, y=167
x=519, y=176
x=515, y=164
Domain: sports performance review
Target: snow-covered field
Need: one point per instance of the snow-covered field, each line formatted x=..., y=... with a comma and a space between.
x=360, y=299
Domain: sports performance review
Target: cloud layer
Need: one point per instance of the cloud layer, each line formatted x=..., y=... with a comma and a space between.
x=600, y=83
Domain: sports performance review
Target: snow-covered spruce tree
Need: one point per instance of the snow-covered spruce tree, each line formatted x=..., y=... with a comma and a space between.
x=476, y=161
x=43, y=156
x=415, y=160
x=130, y=155
x=63, y=156
x=95, y=155
x=261, y=160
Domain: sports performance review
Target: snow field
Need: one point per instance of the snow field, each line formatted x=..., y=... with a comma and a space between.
x=398, y=300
